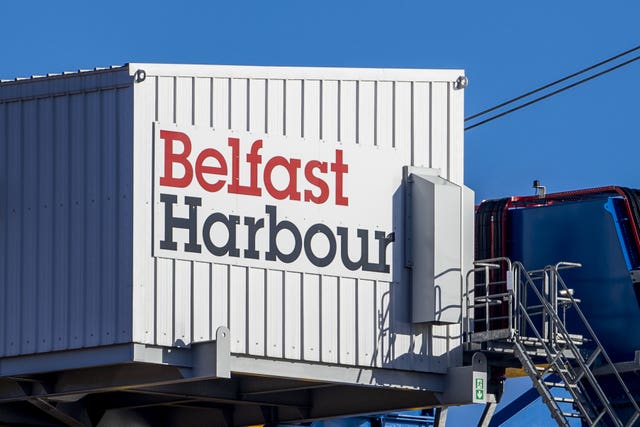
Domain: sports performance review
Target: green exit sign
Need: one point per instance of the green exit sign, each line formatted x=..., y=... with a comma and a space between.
x=479, y=387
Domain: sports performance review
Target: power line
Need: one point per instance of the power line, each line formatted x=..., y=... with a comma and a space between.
x=579, y=82
x=577, y=73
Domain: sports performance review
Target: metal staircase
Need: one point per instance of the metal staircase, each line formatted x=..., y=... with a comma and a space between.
x=523, y=314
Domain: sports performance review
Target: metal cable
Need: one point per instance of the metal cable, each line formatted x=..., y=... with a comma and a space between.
x=570, y=76
x=555, y=92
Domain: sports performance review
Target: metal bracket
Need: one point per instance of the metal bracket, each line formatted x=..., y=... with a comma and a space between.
x=140, y=75
x=461, y=83
x=467, y=384
x=213, y=358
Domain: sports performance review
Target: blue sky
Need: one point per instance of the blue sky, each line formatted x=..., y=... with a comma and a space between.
x=582, y=138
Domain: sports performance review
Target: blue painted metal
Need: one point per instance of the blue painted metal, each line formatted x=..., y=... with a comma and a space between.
x=66, y=185
x=597, y=228
x=417, y=418
x=610, y=207
x=584, y=231
x=518, y=404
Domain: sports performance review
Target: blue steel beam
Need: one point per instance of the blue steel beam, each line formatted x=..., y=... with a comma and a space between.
x=517, y=405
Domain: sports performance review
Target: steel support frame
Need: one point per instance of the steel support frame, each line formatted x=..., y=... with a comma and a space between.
x=156, y=383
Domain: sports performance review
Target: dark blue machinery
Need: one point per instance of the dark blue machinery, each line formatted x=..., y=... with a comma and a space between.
x=598, y=228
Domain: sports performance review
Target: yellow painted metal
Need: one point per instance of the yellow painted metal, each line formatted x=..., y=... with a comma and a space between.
x=519, y=372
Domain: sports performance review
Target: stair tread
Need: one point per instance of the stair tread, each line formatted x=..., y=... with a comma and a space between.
x=559, y=384
x=564, y=399
x=572, y=414
x=563, y=354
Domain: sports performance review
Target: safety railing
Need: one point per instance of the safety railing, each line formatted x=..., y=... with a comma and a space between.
x=489, y=301
x=502, y=292
x=534, y=311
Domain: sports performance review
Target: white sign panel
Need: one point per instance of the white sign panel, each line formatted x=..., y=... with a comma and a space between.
x=479, y=387
x=274, y=201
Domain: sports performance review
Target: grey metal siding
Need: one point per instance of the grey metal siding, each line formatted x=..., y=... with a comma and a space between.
x=66, y=212
x=289, y=314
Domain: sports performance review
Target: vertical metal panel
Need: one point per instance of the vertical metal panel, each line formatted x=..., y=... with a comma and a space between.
x=144, y=273
x=45, y=209
x=366, y=322
x=348, y=123
x=164, y=302
x=182, y=286
x=123, y=312
x=275, y=106
x=421, y=124
x=219, y=297
x=201, y=298
x=366, y=113
x=330, y=110
x=439, y=128
x=311, y=109
x=288, y=314
x=292, y=315
x=293, y=116
x=201, y=301
x=275, y=313
x=311, y=317
x=456, y=136
x=29, y=280
x=15, y=224
x=257, y=106
x=256, y=311
x=182, y=283
x=422, y=339
x=239, y=104
x=66, y=233
x=108, y=217
x=403, y=117
x=166, y=107
x=454, y=354
x=202, y=101
x=183, y=92
x=329, y=319
x=383, y=323
x=221, y=102
x=4, y=216
x=347, y=329
x=238, y=308
x=93, y=216
x=400, y=329
x=441, y=346
x=78, y=201
x=385, y=106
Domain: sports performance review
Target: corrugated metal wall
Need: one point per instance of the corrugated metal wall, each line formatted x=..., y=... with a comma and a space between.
x=66, y=212
x=288, y=314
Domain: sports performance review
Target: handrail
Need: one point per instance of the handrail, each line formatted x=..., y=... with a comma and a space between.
x=547, y=327
x=470, y=297
x=605, y=355
x=491, y=260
